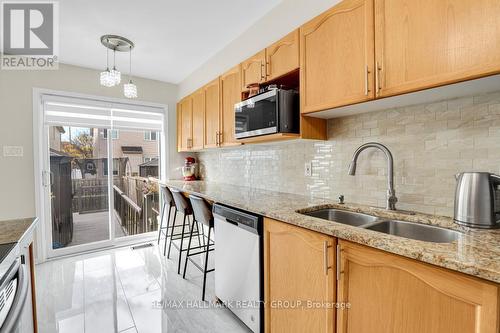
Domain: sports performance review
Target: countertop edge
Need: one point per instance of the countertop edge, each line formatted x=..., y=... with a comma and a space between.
x=470, y=269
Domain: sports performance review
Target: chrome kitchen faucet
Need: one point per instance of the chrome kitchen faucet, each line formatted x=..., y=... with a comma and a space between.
x=391, y=193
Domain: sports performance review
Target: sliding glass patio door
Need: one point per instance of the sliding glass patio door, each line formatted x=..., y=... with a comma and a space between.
x=101, y=165
x=79, y=188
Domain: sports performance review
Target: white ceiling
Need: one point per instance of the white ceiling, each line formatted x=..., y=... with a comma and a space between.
x=173, y=38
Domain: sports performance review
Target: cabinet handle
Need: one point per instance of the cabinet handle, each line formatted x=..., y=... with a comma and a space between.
x=268, y=69
x=221, y=136
x=377, y=78
x=367, y=72
x=325, y=254
x=216, y=138
x=262, y=66
x=337, y=265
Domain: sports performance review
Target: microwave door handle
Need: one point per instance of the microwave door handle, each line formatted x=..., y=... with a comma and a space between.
x=16, y=309
x=495, y=179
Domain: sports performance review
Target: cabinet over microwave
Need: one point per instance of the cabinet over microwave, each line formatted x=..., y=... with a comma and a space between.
x=270, y=112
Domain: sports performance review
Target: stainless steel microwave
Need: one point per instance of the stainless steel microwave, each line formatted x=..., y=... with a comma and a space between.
x=273, y=111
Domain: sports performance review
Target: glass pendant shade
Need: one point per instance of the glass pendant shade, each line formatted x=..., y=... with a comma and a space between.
x=117, y=76
x=107, y=79
x=130, y=90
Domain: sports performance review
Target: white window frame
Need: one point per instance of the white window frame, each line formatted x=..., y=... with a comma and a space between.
x=39, y=143
x=115, y=134
x=149, y=134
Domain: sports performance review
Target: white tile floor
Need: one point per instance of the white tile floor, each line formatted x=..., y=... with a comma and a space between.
x=116, y=291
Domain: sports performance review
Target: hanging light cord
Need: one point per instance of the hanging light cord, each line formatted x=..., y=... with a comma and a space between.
x=107, y=56
x=130, y=64
x=114, y=59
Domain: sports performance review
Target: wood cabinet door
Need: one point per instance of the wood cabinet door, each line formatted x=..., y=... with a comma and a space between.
x=212, y=113
x=179, y=126
x=427, y=43
x=390, y=293
x=283, y=56
x=198, y=132
x=230, y=85
x=337, y=56
x=299, y=266
x=253, y=70
x=186, y=124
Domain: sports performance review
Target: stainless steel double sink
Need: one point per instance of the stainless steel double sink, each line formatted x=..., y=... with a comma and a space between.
x=404, y=229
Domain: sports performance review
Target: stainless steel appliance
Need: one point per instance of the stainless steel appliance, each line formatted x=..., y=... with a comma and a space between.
x=238, y=264
x=14, y=290
x=477, y=200
x=273, y=111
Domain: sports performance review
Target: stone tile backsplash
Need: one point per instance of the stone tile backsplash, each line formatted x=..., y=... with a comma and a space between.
x=430, y=144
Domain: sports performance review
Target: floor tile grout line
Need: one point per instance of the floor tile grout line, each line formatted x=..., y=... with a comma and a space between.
x=84, y=298
x=124, y=294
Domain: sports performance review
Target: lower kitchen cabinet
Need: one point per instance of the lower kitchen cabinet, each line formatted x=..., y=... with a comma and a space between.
x=390, y=293
x=299, y=279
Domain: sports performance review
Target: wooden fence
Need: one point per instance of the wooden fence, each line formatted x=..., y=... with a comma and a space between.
x=137, y=211
x=90, y=195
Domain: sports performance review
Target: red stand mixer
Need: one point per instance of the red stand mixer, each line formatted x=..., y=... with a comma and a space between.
x=189, y=169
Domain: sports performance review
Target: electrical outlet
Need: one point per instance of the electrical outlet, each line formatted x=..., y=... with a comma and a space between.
x=308, y=169
x=13, y=151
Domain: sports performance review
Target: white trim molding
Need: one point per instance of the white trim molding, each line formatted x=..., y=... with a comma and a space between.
x=40, y=143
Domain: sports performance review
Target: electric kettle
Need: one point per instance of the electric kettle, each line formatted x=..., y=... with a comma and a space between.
x=477, y=200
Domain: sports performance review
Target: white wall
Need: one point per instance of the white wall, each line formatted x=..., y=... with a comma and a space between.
x=17, y=197
x=282, y=19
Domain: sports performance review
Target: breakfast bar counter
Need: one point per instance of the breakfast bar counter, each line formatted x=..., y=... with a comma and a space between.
x=476, y=252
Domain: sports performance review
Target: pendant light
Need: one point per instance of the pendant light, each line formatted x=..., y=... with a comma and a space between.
x=106, y=78
x=130, y=89
x=117, y=76
x=111, y=78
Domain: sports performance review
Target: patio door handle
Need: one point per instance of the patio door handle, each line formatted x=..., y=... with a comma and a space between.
x=47, y=178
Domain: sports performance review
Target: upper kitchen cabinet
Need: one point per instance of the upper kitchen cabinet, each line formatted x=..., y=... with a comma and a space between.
x=283, y=56
x=198, y=126
x=299, y=265
x=253, y=70
x=230, y=86
x=337, y=57
x=185, y=124
x=427, y=43
x=212, y=114
x=416, y=297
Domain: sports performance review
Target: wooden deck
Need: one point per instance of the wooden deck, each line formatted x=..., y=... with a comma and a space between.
x=92, y=227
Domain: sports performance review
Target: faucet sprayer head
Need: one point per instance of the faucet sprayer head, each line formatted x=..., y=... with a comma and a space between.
x=352, y=168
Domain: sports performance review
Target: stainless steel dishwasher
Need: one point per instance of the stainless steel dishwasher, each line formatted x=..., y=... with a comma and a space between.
x=238, y=264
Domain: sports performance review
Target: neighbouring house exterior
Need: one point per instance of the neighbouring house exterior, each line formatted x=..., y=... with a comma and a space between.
x=55, y=133
x=138, y=146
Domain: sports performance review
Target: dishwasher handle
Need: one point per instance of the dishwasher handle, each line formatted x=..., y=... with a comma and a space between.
x=242, y=219
x=231, y=221
x=17, y=307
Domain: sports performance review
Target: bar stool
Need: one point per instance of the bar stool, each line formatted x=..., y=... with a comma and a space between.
x=202, y=213
x=183, y=205
x=168, y=200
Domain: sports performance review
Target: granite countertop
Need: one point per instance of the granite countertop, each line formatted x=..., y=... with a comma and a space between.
x=476, y=253
x=14, y=230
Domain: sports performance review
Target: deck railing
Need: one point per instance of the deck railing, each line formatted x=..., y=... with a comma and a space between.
x=137, y=211
x=127, y=211
x=136, y=217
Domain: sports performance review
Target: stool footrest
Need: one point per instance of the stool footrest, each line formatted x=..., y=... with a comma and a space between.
x=199, y=267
